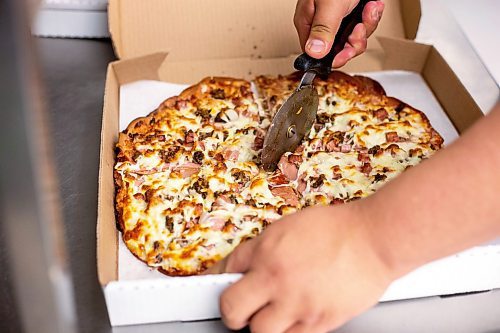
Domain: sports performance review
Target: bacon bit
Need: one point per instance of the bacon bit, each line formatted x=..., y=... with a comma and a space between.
x=218, y=93
x=198, y=157
x=169, y=224
x=201, y=144
x=318, y=127
x=345, y=148
x=218, y=157
x=169, y=154
x=375, y=150
x=393, y=148
x=366, y=168
x=198, y=209
x=362, y=157
x=296, y=159
x=316, y=144
x=189, y=138
x=139, y=196
x=332, y=146
x=379, y=177
x=258, y=143
x=287, y=193
x=149, y=195
x=299, y=149
x=161, y=138
x=287, y=168
x=392, y=137
x=277, y=179
x=322, y=118
x=337, y=201
x=220, y=166
x=415, y=152
x=337, y=176
x=187, y=169
x=380, y=114
x=231, y=154
x=318, y=181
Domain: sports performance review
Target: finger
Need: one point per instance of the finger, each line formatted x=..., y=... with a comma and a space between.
x=271, y=319
x=372, y=13
x=242, y=299
x=344, y=56
x=355, y=46
x=304, y=13
x=325, y=24
x=236, y=262
x=302, y=328
x=239, y=261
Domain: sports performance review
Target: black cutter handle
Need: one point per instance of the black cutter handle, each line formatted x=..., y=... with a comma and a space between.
x=323, y=66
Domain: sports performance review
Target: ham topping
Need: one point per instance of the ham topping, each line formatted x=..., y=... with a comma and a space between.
x=287, y=193
x=366, y=168
x=392, y=137
x=287, y=168
x=231, y=154
x=381, y=114
x=277, y=179
x=187, y=169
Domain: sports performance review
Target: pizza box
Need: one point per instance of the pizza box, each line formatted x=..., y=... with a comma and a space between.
x=183, y=41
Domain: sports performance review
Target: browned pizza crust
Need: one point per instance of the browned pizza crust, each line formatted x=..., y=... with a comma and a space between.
x=273, y=90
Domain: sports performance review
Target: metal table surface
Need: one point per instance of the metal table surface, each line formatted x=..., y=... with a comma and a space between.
x=74, y=74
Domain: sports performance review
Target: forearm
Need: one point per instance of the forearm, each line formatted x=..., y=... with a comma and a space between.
x=446, y=204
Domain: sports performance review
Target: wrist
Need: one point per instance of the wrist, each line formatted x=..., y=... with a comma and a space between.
x=378, y=241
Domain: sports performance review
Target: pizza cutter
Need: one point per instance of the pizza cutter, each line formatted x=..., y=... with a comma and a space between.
x=295, y=117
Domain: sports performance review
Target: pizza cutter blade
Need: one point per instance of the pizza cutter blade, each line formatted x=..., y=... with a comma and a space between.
x=291, y=123
x=294, y=119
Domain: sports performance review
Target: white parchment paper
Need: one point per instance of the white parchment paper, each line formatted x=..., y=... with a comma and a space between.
x=139, y=98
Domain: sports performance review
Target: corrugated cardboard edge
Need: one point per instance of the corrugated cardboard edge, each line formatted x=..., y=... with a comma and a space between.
x=107, y=236
x=411, y=12
x=451, y=93
x=118, y=73
x=401, y=19
x=444, y=83
x=115, y=27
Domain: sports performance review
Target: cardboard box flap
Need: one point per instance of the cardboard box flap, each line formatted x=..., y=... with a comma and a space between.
x=193, y=29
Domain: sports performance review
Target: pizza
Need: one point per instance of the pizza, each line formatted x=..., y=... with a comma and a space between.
x=188, y=177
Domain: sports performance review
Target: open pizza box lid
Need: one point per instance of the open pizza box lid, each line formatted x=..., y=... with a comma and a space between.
x=234, y=28
x=173, y=41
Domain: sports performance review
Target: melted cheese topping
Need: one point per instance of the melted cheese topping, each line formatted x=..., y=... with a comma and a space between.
x=190, y=187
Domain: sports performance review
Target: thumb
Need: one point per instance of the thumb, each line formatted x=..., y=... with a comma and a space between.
x=236, y=262
x=325, y=24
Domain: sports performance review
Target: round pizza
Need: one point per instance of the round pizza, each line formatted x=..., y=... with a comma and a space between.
x=189, y=182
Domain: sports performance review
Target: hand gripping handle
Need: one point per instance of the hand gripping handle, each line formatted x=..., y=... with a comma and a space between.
x=323, y=66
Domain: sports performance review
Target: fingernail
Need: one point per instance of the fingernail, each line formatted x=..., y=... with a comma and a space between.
x=377, y=13
x=316, y=45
